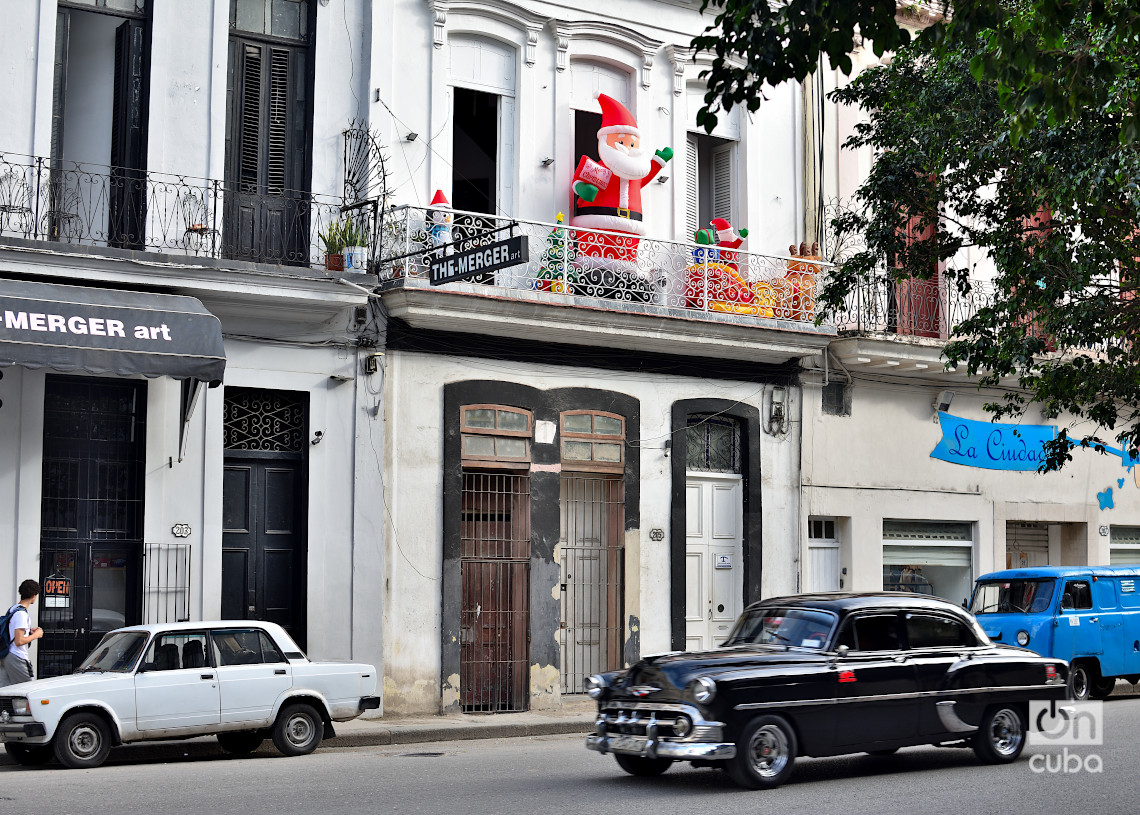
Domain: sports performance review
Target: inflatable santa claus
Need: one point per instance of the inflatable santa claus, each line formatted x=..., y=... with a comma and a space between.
x=609, y=192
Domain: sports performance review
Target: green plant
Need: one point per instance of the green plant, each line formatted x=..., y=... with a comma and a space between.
x=341, y=234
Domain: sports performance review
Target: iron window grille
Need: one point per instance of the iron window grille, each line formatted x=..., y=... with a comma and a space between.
x=593, y=441
x=712, y=444
x=267, y=420
x=166, y=583
x=495, y=436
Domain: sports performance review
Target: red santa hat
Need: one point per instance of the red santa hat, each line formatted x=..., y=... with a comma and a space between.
x=724, y=230
x=440, y=200
x=615, y=117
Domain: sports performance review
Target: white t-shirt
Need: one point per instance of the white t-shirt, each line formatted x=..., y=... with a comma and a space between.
x=20, y=619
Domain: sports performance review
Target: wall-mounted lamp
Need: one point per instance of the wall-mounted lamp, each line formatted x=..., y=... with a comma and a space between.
x=411, y=136
x=546, y=162
x=668, y=444
x=318, y=437
x=661, y=179
x=777, y=411
x=942, y=401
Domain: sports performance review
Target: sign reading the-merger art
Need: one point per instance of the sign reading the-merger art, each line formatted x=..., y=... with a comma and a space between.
x=990, y=445
x=477, y=261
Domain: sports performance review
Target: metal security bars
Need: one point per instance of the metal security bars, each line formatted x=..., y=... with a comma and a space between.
x=592, y=561
x=166, y=583
x=495, y=574
x=72, y=203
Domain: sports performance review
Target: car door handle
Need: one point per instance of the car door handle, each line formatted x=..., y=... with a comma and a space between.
x=207, y=676
x=1094, y=619
x=279, y=672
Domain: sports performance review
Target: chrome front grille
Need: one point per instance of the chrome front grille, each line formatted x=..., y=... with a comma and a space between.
x=644, y=720
x=6, y=706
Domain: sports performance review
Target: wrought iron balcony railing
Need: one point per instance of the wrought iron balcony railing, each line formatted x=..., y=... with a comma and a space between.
x=94, y=205
x=573, y=263
x=912, y=308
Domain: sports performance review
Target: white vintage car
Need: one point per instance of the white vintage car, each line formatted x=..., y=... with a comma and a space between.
x=242, y=680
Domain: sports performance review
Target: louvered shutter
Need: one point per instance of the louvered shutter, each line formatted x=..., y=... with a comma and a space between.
x=722, y=182
x=249, y=119
x=692, y=186
x=128, y=139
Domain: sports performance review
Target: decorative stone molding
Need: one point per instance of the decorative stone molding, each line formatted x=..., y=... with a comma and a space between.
x=499, y=10
x=679, y=57
x=637, y=44
x=438, y=9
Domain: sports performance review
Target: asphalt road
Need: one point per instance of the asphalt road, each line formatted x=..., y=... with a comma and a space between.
x=555, y=774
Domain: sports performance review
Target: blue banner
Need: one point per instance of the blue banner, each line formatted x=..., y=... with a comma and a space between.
x=992, y=446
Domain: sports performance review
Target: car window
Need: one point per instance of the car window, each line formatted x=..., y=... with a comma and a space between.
x=1080, y=593
x=871, y=632
x=244, y=646
x=1021, y=596
x=933, y=631
x=799, y=627
x=174, y=650
x=115, y=652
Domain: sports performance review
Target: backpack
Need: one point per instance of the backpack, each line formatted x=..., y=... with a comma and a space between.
x=6, y=631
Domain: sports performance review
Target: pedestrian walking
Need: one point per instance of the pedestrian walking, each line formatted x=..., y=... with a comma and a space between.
x=15, y=667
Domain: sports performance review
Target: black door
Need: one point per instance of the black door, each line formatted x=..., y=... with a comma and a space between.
x=266, y=212
x=91, y=514
x=127, y=191
x=263, y=541
x=875, y=683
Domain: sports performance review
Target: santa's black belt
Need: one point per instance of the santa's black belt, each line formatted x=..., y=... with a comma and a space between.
x=633, y=215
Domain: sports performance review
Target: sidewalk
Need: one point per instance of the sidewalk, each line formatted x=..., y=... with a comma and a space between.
x=576, y=715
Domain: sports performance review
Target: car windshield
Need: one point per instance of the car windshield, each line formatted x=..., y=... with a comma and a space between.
x=118, y=651
x=798, y=627
x=1023, y=596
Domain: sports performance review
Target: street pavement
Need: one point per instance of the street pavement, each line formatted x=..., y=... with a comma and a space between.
x=554, y=773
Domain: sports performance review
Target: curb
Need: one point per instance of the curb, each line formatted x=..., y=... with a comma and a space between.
x=418, y=734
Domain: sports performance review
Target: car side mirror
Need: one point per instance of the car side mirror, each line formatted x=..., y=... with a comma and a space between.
x=1066, y=600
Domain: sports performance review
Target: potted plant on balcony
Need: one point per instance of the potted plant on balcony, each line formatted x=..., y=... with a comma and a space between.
x=355, y=246
x=332, y=239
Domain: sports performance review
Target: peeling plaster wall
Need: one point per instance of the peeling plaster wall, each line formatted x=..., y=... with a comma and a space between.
x=414, y=493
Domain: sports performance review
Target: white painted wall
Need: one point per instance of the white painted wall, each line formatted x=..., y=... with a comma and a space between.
x=875, y=464
x=413, y=405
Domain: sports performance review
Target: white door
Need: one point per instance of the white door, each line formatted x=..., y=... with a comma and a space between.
x=823, y=566
x=714, y=557
x=175, y=686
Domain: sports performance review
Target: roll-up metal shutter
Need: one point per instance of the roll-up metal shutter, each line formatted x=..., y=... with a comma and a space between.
x=904, y=555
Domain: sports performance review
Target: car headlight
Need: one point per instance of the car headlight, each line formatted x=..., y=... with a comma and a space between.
x=20, y=707
x=595, y=685
x=1023, y=638
x=703, y=689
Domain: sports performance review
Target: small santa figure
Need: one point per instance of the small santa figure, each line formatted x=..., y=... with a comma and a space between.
x=439, y=219
x=609, y=193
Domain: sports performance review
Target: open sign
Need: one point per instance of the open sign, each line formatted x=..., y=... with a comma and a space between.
x=57, y=592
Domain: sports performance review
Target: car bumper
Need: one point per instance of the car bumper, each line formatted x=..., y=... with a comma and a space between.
x=369, y=703
x=16, y=731
x=647, y=747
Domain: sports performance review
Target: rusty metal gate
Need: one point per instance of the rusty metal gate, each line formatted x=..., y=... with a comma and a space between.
x=495, y=573
x=592, y=560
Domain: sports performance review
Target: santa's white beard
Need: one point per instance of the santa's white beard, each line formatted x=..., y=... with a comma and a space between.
x=632, y=165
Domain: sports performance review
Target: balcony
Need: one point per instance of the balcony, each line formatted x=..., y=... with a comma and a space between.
x=591, y=287
x=200, y=221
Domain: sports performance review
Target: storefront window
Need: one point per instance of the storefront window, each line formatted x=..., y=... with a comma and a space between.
x=928, y=557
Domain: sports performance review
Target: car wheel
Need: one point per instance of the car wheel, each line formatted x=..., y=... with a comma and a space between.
x=30, y=755
x=241, y=743
x=1102, y=688
x=298, y=730
x=82, y=741
x=1001, y=737
x=765, y=753
x=644, y=767
x=1080, y=683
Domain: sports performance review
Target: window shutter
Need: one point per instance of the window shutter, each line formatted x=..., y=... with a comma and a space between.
x=278, y=119
x=250, y=118
x=692, y=186
x=722, y=183
x=59, y=83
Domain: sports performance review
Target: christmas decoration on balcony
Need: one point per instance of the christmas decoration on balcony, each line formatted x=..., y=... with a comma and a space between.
x=439, y=219
x=609, y=192
x=556, y=274
x=715, y=280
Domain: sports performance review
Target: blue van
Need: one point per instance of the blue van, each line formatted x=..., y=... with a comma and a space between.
x=1088, y=615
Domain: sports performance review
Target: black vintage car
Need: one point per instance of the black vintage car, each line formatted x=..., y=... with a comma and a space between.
x=823, y=675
